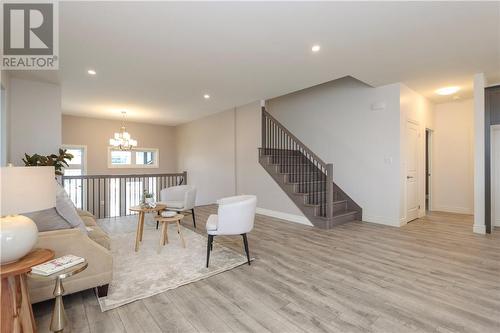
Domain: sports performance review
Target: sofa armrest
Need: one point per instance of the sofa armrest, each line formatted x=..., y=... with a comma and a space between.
x=73, y=241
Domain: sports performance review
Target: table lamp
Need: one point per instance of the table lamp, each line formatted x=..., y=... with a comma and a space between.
x=23, y=190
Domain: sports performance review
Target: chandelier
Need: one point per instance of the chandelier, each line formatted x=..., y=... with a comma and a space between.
x=122, y=139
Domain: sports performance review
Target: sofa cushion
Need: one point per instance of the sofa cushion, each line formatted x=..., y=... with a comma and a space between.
x=82, y=212
x=67, y=210
x=99, y=236
x=48, y=219
x=88, y=221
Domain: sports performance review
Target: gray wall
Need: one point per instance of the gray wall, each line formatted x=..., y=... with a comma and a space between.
x=206, y=151
x=220, y=154
x=337, y=122
x=35, y=118
x=95, y=134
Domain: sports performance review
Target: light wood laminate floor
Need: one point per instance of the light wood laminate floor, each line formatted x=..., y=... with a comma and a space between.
x=432, y=275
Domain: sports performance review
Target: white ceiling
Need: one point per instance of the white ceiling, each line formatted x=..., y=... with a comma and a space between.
x=157, y=59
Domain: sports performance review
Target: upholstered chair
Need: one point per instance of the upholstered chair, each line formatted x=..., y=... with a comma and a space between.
x=235, y=216
x=180, y=198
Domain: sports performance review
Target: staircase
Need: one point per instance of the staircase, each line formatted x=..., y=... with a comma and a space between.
x=304, y=177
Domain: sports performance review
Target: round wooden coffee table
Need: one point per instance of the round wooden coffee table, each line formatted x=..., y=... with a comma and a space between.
x=17, y=315
x=165, y=221
x=142, y=210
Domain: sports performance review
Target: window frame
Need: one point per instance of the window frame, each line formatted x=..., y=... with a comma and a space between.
x=83, y=165
x=133, y=165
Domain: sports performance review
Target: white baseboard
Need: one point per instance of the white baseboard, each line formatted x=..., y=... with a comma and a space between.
x=457, y=210
x=479, y=229
x=381, y=220
x=284, y=216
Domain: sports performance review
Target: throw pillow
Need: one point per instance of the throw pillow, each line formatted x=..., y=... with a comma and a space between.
x=48, y=219
x=67, y=210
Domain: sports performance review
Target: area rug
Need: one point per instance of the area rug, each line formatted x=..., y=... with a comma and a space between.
x=138, y=275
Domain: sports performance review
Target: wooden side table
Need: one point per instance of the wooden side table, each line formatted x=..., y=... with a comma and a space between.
x=142, y=210
x=165, y=221
x=17, y=314
x=59, y=320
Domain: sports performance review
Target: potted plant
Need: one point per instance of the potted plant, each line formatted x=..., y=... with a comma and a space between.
x=148, y=198
x=59, y=162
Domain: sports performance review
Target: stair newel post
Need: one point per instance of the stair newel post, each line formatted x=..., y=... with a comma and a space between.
x=329, y=191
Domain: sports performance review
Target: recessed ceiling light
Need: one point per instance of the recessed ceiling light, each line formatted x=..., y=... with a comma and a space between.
x=315, y=48
x=91, y=72
x=447, y=91
x=206, y=96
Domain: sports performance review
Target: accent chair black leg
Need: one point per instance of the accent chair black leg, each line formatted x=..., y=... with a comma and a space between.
x=194, y=219
x=209, y=247
x=245, y=242
x=157, y=225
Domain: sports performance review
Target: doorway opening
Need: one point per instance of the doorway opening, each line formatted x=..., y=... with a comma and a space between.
x=428, y=169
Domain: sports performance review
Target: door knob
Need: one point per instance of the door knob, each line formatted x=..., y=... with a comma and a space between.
x=409, y=177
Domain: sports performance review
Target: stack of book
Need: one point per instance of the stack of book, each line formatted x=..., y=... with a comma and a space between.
x=56, y=265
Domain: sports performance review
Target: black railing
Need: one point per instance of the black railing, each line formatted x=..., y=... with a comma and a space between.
x=113, y=195
x=310, y=173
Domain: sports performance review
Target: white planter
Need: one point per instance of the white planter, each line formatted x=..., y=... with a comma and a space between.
x=18, y=235
x=148, y=201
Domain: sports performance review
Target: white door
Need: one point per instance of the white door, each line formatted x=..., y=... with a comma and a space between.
x=412, y=205
x=495, y=176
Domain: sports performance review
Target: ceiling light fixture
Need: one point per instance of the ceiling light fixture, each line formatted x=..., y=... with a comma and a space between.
x=122, y=139
x=315, y=48
x=206, y=96
x=91, y=72
x=447, y=91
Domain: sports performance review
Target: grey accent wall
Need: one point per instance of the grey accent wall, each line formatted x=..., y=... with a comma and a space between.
x=95, y=134
x=35, y=118
x=336, y=121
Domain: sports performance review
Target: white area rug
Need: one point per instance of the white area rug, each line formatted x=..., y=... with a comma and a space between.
x=142, y=274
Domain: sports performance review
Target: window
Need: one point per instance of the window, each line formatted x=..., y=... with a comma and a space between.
x=137, y=158
x=119, y=157
x=77, y=166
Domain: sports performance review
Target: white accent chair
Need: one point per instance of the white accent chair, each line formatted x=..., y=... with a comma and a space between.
x=235, y=216
x=179, y=198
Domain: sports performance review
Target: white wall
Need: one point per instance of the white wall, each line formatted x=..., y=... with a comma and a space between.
x=35, y=118
x=336, y=121
x=206, y=150
x=453, y=157
x=417, y=109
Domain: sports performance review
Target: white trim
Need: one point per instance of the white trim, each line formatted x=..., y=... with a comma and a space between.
x=429, y=157
x=457, y=210
x=284, y=216
x=494, y=130
x=383, y=220
x=85, y=153
x=132, y=164
x=479, y=229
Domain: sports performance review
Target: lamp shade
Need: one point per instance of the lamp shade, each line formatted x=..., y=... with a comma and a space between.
x=26, y=189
